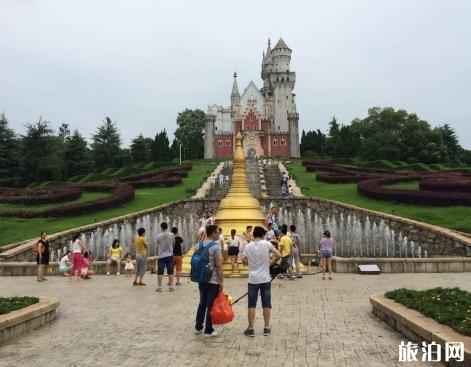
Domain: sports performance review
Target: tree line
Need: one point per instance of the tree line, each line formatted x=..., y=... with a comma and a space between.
x=42, y=154
x=388, y=134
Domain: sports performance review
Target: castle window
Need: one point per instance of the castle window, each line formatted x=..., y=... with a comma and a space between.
x=282, y=142
x=215, y=127
x=286, y=97
x=220, y=143
x=275, y=142
x=278, y=127
x=228, y=143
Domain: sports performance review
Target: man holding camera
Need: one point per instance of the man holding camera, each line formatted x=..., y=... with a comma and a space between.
x=257, y=256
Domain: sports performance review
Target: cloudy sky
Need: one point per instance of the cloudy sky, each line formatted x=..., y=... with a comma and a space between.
x=141, y=61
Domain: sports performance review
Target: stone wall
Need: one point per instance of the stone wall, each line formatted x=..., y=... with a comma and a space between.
x=437, y=241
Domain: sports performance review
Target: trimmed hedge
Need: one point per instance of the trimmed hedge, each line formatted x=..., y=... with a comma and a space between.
x=339, y=179
x=373, y=188
x=120, y=195
x=447, y=183
x=43, y=195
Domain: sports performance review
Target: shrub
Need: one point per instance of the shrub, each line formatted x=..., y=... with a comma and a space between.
x=373, y=188
x=41, y=195
x=447, y=183
x=9, y=304
x=120, y=195
x=448, y=306
x=335, y=179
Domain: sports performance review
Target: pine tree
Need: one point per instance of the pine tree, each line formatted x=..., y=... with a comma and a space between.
x=77, y=156
x=106, y=146
x=161, y=148
x=9, y=155
x=139, y=150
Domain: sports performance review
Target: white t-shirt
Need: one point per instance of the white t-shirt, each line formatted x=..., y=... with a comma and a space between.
x=76, y=247
x=270, y=235
x=258, y=256
x=235, y=242
x=65, y=259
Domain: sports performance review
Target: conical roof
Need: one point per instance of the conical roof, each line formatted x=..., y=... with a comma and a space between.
x=281, y=44
x=235, y=87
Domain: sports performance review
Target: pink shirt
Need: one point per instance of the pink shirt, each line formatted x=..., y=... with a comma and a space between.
x=326, y=244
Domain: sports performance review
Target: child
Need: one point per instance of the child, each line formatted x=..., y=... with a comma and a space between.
x=65, y=263
x=326, y=248
x=86, y=265
x=129, y=266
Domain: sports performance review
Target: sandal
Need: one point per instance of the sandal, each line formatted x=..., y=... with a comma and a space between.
x=135, y=283
x=141, y=283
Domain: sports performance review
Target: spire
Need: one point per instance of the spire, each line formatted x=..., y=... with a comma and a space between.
x=235, y=87
x=268, y=48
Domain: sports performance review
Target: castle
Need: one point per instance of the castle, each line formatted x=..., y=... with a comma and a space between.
x=266, y=117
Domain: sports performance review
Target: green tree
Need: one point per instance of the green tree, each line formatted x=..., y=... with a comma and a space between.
x=9, y=155
x=161, y=148
x=77, y=156
x=189, y=132
x=139, y=150
x=450, y=140
x=41, y=151
x=64, y=132
x=106, y=146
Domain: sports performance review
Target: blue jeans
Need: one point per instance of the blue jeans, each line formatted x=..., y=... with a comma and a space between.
x=265, y=294
x=208, y=293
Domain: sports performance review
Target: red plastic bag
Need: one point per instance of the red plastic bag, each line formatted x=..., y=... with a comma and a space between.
x=221, y=312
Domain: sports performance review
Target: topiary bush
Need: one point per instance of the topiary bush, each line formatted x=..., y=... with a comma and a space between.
x=41, y=195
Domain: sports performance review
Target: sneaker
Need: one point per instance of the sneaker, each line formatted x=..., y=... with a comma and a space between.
x=292, y=277
x=212, y=335
x=249, y=332
x=118, y=273
x=170, y=289
x=198, y=332
x=107, y=273
x=159, y=289
x=266, y=331
x=299, y=276
x=178, y=284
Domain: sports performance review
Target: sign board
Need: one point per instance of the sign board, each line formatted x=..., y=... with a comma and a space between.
x=369, y=269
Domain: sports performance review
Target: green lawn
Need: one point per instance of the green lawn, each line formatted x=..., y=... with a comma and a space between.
x=454, y=217
x=15, y=229
x=86, y=196
x=411, y=185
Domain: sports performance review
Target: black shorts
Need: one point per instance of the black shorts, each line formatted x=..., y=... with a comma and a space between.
x=233, y=251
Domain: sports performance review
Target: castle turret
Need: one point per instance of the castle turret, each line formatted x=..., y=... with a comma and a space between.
x=209, y=136
x=293, y=120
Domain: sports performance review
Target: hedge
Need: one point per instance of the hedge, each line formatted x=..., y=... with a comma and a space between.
x=373, y=188
x=43, y=195
x=335, y=179
x=447, y=183
x=120, y=195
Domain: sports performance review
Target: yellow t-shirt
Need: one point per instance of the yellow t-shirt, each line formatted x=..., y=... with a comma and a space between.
x=141, y=245
x=285, y=245
x=116, y=252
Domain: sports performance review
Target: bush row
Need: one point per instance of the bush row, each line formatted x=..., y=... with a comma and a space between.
x=120, y=195
x=49, y=195
x=338, y=179
x=373, y=188
x=446, y=183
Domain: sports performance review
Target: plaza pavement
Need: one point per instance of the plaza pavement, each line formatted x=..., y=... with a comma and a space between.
x=107, y=322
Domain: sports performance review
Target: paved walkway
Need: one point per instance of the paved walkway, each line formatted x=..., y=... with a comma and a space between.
x=107, y=322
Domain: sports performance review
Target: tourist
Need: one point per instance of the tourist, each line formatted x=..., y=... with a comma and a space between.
x=203, y=220
x=284, y=192
x=257, y=256
x=114, y=256
x=221, y=179
x=165, y=241
x=141, y=246
x=227, y=179
x=77, y=257
x=245, y=238
x=234, y=247
x=177, y=255
x=209, y=290
x=290, y=191
x=42, y=256
x=286, y=252
x=129, y=266
x=210, y=218
x=65, y=263
x=86, y=265
x=296, y=241
x=271, y=219
x=223, y=243
x=213, y=180
x=271, y=236
x=326, y=248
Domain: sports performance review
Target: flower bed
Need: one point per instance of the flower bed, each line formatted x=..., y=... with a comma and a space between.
x=49, y=195
x=448, y=306
x=373, y=188
x=9, y=304
x=120, y=194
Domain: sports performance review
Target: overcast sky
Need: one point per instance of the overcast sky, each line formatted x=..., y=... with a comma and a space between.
x=141, y=62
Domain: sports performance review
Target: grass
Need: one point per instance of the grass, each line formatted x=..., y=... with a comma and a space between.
x=16, y=229
x=448, y=306
x=10, y=304
x=411, y=185
x=86, y=196
x=453, y=217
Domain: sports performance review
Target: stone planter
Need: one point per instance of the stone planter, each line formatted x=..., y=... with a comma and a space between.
x=22, y=321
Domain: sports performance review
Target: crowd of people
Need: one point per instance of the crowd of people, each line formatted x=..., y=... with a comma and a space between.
x=258, y=248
